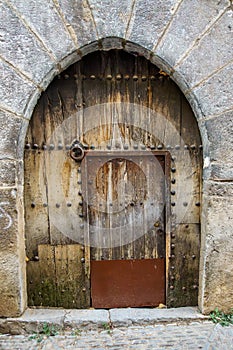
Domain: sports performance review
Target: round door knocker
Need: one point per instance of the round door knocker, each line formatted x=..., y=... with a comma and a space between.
x=77, y=152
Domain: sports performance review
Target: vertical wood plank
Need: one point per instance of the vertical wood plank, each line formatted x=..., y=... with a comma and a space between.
x=71, y=287
x=42, y=278
x=58, y=278
x=186, y=263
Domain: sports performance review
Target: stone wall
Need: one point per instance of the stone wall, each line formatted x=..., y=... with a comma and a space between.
x=191, y=40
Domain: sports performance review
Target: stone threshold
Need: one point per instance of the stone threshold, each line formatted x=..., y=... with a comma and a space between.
x=33, y=319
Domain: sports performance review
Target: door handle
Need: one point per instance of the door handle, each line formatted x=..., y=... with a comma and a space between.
x=77, y=151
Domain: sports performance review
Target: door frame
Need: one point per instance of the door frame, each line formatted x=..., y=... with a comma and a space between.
x=167, y=213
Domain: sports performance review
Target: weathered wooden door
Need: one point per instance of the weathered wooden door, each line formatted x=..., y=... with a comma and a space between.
x=112, y=188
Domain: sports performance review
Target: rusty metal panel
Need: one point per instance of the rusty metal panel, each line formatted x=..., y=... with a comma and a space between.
x=127, y=283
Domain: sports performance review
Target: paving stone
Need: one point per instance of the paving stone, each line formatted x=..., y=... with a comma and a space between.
x=200, y=338
x=88, y=318
x=43, y=315
x=121, y=317
x=32, y=321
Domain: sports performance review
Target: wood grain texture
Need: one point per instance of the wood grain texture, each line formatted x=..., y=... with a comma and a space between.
x=112, y=102
x=58, y=278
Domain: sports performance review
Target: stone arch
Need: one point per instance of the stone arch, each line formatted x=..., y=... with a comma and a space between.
x=82, y=28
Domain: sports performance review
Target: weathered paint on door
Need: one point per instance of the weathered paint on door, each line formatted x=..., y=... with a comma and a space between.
x=118, y=104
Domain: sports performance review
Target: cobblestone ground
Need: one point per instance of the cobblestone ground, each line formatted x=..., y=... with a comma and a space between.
x=193, y=336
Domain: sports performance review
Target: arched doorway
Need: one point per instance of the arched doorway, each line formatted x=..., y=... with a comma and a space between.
x=112, y=188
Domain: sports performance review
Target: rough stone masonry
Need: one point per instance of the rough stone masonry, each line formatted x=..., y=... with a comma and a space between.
x=191, y=40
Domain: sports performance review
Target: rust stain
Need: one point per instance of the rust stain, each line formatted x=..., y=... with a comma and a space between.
x=66, y=173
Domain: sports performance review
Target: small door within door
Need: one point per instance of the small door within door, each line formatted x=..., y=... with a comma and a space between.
x=124, y=196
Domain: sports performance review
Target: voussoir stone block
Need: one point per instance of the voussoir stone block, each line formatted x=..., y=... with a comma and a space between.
x=45, y=21
x=212, y=52
x=215, y=96
x=79, y=19
x=14, y=89
x=21, y=48
x=149, y=20
x=216, y=267
x=188, y=23
x=111, y=17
